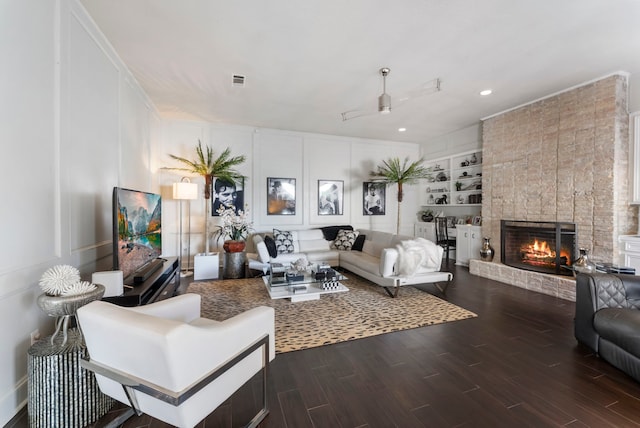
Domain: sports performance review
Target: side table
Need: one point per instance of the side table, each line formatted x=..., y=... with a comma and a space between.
x=234, y=264
x=60, y=392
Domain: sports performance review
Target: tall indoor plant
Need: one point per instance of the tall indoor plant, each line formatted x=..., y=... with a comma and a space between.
x=208, y=166
x=393, y=171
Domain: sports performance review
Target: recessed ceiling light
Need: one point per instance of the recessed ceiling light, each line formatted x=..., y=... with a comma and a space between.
x=486, y=92
x=402, y=129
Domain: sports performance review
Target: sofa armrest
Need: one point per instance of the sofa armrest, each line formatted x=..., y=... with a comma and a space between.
x=388, y=259
x=586, y=307
x=631, y=286
x=261, y=248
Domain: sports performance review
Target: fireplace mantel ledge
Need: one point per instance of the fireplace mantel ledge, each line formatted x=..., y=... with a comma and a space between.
x=563, y=287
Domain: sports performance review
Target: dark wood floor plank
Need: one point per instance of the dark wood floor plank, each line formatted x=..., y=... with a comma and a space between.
x=324, y=416
x=430, y=416
x=344, y=400
x=530, y=416
x=450, y=403
x=382, y=411
x=293, y=409
x=408, y=387
x=573, y=402
x=311, y=391
x=221, y=418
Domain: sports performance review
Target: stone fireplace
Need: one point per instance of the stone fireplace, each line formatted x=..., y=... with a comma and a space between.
x=546, y=247
x=562, y=159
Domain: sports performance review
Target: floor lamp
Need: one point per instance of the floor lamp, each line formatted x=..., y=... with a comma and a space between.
x=185, y=190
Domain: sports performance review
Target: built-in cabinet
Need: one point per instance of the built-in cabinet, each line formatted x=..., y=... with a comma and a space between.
x=426, y=230
x=630, y=251
x=454, y=180
x=468, y=243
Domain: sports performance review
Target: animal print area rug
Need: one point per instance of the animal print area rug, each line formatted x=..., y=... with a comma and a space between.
x=365, y=310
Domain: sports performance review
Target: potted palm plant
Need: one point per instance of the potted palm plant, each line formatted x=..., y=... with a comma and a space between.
x=393, y=171
x=209, y=166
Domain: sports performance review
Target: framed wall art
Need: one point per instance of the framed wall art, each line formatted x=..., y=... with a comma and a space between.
x=226, y=194
x=281, y=196
x=330, y=197
x=373, y=198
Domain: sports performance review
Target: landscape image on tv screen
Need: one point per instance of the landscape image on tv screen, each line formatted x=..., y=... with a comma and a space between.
x=138, y=226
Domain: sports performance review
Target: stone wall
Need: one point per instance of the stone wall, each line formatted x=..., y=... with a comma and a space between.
x=564, y=158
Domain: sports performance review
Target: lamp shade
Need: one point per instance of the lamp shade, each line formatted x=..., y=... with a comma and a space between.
x=185, y=191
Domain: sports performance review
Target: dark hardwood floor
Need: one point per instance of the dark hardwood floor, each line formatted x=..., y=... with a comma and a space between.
x=516, y=364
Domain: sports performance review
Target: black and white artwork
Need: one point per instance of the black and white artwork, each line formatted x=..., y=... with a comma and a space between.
x=281, y=196
x=330, y=197
x=226, y=194
x=373, y=198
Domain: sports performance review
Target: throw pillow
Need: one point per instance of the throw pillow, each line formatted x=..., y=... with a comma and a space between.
x=284, y=241
x=359, y=242
x=271, y=246
x=345, y=239
x=330, y=232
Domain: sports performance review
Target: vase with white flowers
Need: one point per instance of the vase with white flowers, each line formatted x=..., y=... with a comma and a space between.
x=235, y=227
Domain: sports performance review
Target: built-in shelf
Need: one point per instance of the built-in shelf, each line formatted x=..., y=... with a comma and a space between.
x=454, y=181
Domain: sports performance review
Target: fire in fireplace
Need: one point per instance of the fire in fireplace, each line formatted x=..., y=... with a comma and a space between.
x=547, y=247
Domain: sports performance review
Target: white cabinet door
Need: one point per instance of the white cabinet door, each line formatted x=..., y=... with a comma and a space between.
x=632, y=260
x=426, y=230
x=630, y=246
x=462, y=245
x=468, y=243
x=475, y=242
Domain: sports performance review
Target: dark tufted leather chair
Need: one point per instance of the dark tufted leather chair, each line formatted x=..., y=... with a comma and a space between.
x=608, y=318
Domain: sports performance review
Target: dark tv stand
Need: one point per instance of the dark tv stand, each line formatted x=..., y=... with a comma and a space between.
x=160, y=285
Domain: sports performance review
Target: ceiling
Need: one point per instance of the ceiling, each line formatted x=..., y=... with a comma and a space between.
x=305, y=62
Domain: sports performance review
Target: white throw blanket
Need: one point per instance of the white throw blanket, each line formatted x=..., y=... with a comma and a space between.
x=416, y=253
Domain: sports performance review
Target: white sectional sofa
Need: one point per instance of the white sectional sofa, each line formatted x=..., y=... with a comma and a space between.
x=308, y=244
x=379, y=259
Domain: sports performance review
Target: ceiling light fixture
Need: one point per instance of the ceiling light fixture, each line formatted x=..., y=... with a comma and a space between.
x=402, y=129
x=486, y=92
x=384, y=100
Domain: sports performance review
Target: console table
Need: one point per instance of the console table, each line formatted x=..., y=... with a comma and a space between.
x=161, y=284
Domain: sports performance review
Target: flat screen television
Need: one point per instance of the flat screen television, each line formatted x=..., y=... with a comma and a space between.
x=137, y=229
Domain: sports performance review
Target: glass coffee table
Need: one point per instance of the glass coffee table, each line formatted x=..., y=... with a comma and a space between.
x=300, y=287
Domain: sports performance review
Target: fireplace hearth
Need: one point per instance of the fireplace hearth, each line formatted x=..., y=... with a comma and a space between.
x=546, y=247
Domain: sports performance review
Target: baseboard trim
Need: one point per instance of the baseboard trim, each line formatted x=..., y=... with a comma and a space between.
x=20, y=420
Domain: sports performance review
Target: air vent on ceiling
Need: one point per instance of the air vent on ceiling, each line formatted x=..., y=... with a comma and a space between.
x=238, y=80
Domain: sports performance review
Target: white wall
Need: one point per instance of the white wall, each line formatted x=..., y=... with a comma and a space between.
x=75, y=124
x=634, y=93
x=462, y=140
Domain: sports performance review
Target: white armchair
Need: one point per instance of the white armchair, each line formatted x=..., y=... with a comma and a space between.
x=164, y=360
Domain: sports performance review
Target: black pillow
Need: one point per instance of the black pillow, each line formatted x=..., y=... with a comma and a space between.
x=271, y=246
x=331, y=232
x=359, y=243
